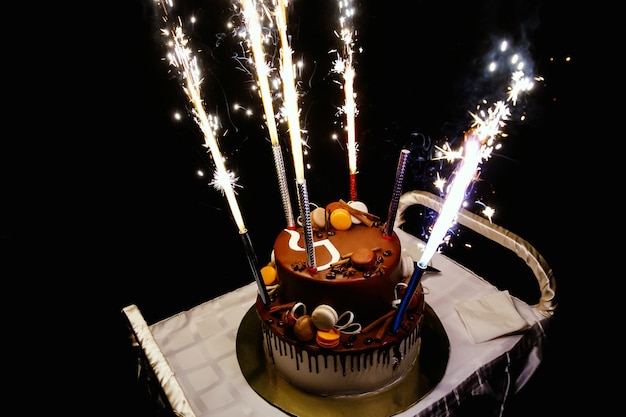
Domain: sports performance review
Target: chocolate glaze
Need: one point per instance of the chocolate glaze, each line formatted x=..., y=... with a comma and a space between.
x=366, y=291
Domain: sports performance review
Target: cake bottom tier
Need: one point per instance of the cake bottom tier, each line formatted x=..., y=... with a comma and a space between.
x=419, y=381
x=332, y=373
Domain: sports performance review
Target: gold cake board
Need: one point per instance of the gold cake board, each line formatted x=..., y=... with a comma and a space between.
x=419, y=382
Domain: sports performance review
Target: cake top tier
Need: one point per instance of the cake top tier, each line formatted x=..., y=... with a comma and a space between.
x=357, y=265
x=358, y=253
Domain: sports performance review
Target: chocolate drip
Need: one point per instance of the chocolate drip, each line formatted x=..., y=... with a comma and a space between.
x=385, y=355
x=342, y=359
x=299, y=358
x=368, y=357
x=268, y=341
x=282, y=347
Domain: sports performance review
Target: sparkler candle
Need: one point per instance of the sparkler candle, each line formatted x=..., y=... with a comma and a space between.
x=397, y=190
x=191, y=75
x=478, y=144
x=183, y=59
x=255, y=37
x=293, y=120
x=350, y=108
x=344, y=65
x=451, y=205
x=254, y=267
x=464, y=175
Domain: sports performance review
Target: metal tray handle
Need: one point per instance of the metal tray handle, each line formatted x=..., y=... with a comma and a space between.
x=506, y=238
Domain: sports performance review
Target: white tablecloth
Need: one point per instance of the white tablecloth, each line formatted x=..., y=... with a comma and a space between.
x=193, y=353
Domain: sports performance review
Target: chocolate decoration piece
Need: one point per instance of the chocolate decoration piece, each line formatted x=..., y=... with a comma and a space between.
x=363, y=258
x=304, y=329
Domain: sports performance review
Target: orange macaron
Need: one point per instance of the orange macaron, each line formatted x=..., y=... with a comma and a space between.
x=340, y=219
x=327, y=338
x=269, y=274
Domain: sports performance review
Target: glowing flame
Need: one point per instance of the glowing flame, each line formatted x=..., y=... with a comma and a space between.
x=262, y=70
x=255, y=37
x=464, y=175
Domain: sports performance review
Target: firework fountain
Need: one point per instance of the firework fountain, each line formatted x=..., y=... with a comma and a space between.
x=478, y=144
x=255, y=37
x=182, y=58
x=293, y=120
x=479, y=141
x=344, y=65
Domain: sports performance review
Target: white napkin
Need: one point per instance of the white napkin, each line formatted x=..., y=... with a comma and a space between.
x=491, y=316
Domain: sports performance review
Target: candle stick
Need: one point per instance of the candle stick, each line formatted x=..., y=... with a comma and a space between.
x=418, y=272
x=353, y=194
x=397, y=190
x=282, y=185
x=258, y=52
x=254, y=267
x=307, y=227
x=350, y=109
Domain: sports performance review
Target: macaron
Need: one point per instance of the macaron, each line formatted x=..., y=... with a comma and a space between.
x=341, y=219
x=408, y=266
x=327, y=339
x=363, y=258
x=324, y=317
x=318, y=218
x=268, y=272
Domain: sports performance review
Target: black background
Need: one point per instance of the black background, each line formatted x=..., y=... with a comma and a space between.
x=108, y=210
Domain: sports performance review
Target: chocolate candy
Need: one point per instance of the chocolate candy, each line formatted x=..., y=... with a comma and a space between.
x=304, y=328
x=363, y=258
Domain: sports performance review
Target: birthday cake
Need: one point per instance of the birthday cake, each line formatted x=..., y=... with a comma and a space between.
x=328, y=329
